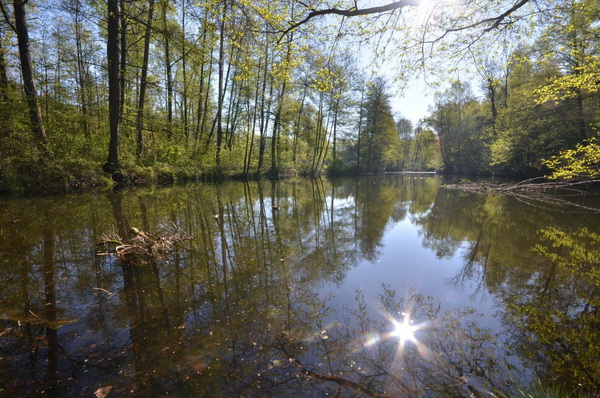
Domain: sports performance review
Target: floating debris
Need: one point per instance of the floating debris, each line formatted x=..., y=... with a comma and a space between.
x=143, y=247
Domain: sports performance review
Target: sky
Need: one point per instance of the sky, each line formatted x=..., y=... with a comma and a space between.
x=415, y=101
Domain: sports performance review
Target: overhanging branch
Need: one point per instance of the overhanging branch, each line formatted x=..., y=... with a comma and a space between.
x=396, y=5
x=353, y=12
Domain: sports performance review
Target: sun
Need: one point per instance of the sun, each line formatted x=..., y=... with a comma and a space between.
x=425, y=8
x=404, y=330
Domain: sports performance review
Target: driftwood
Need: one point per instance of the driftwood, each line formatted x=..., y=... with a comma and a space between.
x=538, y=191
x=143, y=247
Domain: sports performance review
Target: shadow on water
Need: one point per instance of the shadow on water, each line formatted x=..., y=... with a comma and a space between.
x=248, y=307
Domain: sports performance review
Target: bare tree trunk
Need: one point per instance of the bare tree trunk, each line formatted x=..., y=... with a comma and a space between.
x=581, y=116
x=144, y=82
x=35, y=114
x=276, y=123
x=201, y=106
x=264, y=110
x=166, y=35
x=297, y=127
x=336, y=112
x=360, y=122
x=250, y=137
x=206, y=95
x=122, y=22
x=277, y=120
x=234, y=111
x=220, y=88
x=3, y=76
x=81, y=69
x=318, y=137
x=184, y=92
x=491, y=92
x=114, y=85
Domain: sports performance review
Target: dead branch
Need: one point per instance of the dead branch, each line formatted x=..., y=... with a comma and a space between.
x=143, y=246
x=538, y=190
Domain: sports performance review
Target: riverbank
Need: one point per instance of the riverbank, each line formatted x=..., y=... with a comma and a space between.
x=45, y=177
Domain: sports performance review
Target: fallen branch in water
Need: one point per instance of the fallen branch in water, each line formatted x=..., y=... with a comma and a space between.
x=537, y=190
x=143, y=246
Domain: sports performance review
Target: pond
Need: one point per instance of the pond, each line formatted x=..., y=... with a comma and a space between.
x=377, y=286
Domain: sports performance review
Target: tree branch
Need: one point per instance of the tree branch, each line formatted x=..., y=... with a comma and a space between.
x=6, y=17
x=353, y=12
x=496, y=22
x=505, y=14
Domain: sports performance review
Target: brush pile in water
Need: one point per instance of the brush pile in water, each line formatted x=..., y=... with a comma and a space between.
x=143, y=246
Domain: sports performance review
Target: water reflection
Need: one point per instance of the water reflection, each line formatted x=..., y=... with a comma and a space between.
x=249, y=306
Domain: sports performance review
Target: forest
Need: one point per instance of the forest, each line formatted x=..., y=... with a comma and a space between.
x=94, y=93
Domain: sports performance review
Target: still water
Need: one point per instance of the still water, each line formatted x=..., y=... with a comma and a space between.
x=378, y=286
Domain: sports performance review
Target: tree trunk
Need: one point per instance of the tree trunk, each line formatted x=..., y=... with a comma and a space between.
x=169, y=76
x=581, y=116
x=123, y=54
x=360, y=121
x=81, y=70
x=114, y=85
x=265, y=108
x=201, y=108
x=491, y=91
x=206, y=95
x=3, y=76
x=297, y=127
x=336, y=112
x=277, y=121
x=184, y=91
x=144, y=82
x=221, y=93
x=35, y=114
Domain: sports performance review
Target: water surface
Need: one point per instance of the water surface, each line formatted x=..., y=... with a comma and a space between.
x=293, y=289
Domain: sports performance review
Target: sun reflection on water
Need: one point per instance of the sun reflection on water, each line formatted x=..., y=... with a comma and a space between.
x=403, y=329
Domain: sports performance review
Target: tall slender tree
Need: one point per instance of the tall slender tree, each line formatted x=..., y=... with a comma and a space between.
x=144, y=81
x=29, y=86
x=114, y=84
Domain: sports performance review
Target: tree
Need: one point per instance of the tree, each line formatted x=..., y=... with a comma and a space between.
x=425, y=152
x=382, y=146
x=29, y=86
x=583, y=162
x=114, y=85
x=455, y=119
x=570, y=41
x=527, y=132
x=3, y=75
x=405, y=133
x=144, y=81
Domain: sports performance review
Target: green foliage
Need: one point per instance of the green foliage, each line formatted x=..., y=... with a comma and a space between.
x=583, y=79
x=303, y=89
x=549, y=390
x=380, y=143
x=583, y=162
x=457, y=119
x=559, y=322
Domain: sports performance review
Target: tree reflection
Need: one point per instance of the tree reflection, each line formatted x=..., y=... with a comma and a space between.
x=240, y=309
x=555, y=315
x=546, y=280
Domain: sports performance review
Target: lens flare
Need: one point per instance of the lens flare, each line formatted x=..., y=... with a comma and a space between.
x=404, y=330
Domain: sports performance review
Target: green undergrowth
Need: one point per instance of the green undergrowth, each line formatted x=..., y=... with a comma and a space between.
x=550, y=390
